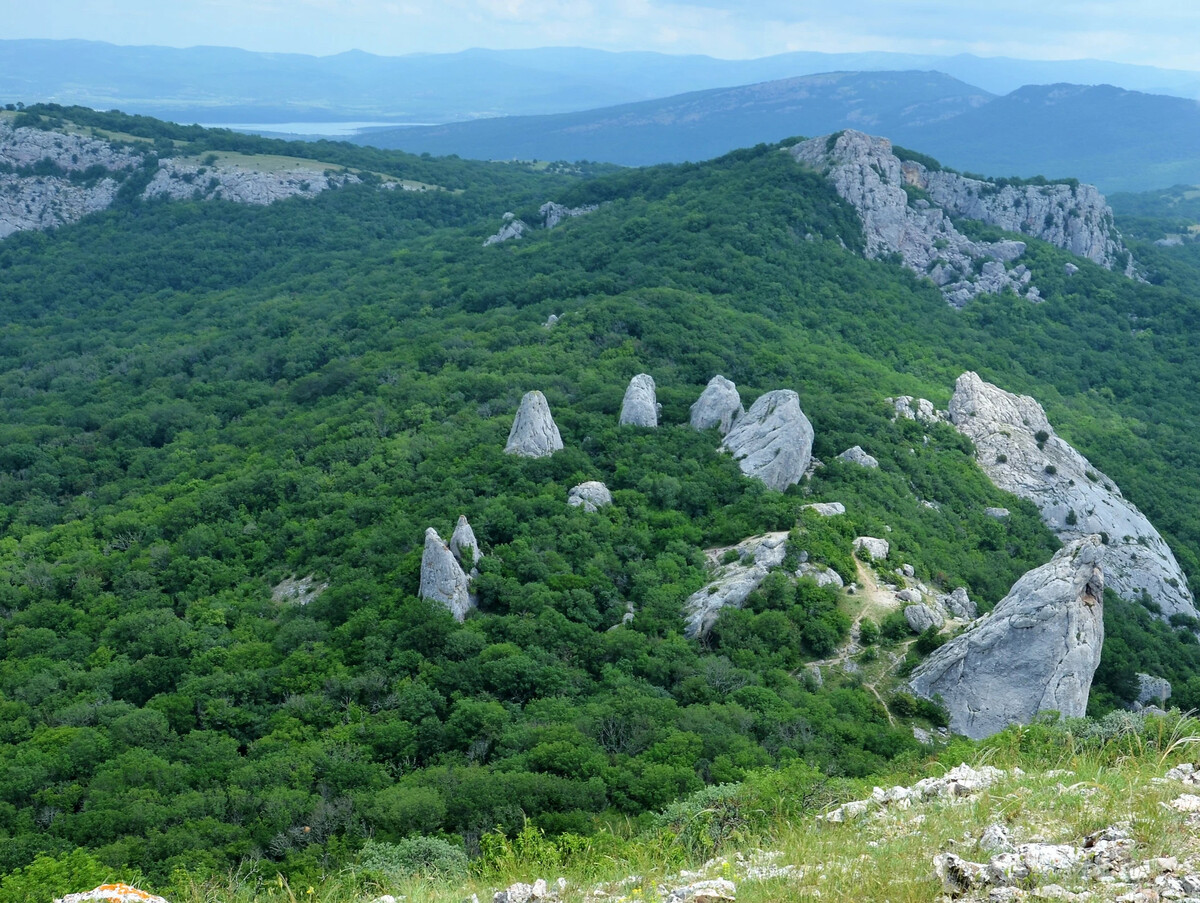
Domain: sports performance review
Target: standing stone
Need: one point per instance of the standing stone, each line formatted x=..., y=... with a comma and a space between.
x=640, y=407
x=719, y=406
x=464, y=546
x=442, y=580
x=772, y=442
x=533, y=433
x=857, y=456
x=1036, y=651
x=590, y=496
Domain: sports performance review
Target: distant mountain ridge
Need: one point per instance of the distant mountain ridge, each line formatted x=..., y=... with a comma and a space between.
x=232, y=85
x=1116, y=139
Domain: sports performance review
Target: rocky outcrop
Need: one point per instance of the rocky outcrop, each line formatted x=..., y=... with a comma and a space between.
x=997, y=513
x=534, y=433
x=1018, y=449
x=298, y=591
x=733, y=581
x=959, y=605
x=906, y=209
x=857, y=456
x=1036, y=651
x=51, y=178
x=442, y=579
x=552, y=214
x=909, y=408
x=640, y=407
x=718, y=407
x=825, y=509
x=464, y=546
x=512, y=228
x=589, y=496
x=1152, y=690
x=772, y=442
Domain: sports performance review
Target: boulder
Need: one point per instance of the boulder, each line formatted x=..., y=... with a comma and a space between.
x=1019, y=451
x=997, y=513
x=909, y=408
x=910, y=595
x=442, y=579
x=1153, y=690
x=825, y=509
x=590, y=496
x=1036, y=651
x=112, y=893
x=878, y=549
x=718, y=407
x=640, y=407
x=533, y=433
x=512, y=228
x=772, y=442
x=959, y=605
x=857, y=456
x=921, y=617
x=464, y=546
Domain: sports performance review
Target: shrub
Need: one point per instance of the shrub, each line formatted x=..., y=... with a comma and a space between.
x=414, y=856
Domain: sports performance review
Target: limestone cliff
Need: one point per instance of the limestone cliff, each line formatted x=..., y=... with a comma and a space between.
x=1018, y=449
x=772, y=442
x=1036, y=651
x=906, y=209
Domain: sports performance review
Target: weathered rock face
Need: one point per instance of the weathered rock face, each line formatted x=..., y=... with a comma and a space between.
x=442, y=580
x=1153, y=690
x=825, y=509
x=189, y=180
x=867, y=174
x=640, y=407
x=909, y=408
x=464, y=546
x=533, y=433
x=718, y=407
x=772, y=442
x=590, y=496
x=1018, y=449
x=552, y=214
x=959, y=605
x=1036, y=651
x=857, y=456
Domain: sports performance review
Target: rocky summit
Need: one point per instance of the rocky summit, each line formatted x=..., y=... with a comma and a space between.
x=718, y=407
x=1018, y=449
x=1036, y=651
x=907, y=209
x=534, y=433
x=773, y=441
x=640, y=406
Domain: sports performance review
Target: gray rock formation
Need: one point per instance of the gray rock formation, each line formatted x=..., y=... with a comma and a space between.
x=590, y=496
x=512, y=228
x=732, y=582
x=552, y=214
x=772, y=442
x=640, y=407
x=442, y=580
x=533, y=433
x=464, y=546
x=878, y=549
x=30, y=201
x=550, y=321
x=997, y=513
x=1153, y=690
x=1018, y=449
x=867, y=174
x=718, y=407
x=825, y=509
x=857, y=456
x=909, y=408
x=824, y=576
x=1036, y=651
x=959, y=605
x=921, y=617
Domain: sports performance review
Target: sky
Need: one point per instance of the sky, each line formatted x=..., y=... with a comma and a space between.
x=1162, y=33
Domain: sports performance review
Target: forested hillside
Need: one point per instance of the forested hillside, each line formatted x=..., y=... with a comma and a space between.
x=201, y=400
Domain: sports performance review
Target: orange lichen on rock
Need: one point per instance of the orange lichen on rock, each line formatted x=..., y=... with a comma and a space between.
x=112, y=893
